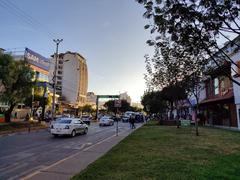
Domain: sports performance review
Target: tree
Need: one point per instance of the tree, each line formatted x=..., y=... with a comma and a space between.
x=173, y=69
x=193, y=86
x=38, y=97
x=87, y=109
x=16, y=77
x=125, y=106
x=153, y=102
x=195, y=26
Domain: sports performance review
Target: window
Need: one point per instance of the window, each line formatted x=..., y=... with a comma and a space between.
x=64, y=121
x=216, y=86
x=208, y=89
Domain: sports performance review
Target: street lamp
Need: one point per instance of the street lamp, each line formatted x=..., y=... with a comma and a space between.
x=57, y=41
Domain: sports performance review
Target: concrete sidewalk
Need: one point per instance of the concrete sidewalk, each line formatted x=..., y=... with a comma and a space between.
x=68, y=167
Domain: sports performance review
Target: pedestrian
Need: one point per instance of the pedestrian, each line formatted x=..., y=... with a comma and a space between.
x=130, y=121
x=133, y=121
x=27, y=118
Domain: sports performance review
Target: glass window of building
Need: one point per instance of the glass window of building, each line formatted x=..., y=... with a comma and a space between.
x=216, y=86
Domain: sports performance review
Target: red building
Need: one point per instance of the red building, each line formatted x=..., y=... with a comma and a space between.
x=219, y=107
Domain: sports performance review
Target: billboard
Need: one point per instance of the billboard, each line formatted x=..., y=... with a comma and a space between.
x=36, y=59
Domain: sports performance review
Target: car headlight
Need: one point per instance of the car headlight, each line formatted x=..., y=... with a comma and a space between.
x=66, y=127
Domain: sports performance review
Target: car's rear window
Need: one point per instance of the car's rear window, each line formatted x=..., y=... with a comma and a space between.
x=65, y=121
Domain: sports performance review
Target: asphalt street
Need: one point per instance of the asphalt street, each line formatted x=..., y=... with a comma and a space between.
x=22, y=154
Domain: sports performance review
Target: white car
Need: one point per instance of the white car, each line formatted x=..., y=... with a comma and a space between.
x=86, y=119
x=68, y=126
x=106, y=121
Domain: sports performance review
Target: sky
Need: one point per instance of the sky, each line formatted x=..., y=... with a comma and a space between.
x=110, y=34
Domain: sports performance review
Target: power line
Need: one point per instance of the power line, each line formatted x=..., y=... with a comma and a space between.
x=25, y=18
x=33, y=20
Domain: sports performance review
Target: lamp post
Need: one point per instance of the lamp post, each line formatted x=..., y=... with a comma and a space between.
x=57, y=41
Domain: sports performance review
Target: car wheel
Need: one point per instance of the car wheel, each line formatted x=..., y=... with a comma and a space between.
x=73, y=133
x=55, y=135
x=85, y=131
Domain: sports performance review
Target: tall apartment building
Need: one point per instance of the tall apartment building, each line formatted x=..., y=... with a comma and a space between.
x=72, y=78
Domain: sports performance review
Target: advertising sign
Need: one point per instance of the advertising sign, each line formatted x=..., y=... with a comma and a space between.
x=36, y=59
x=185, y=122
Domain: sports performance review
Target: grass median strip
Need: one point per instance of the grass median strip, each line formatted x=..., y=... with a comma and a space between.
x=15, y=126
x=163, y=152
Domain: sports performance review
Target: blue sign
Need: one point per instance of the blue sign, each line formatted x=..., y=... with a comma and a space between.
x=36, y=59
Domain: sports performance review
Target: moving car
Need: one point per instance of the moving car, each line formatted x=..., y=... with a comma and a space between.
x=68, y=126
x=106, y=121
x=86, y=119
x=125, y=118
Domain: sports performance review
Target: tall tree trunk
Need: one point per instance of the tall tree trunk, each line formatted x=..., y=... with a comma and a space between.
x=196, y=123
x=9, y=112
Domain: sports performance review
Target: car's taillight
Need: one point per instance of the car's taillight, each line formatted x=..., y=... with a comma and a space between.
x=66, y=127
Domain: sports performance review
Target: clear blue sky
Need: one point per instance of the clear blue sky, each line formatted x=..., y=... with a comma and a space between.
x=108, y=33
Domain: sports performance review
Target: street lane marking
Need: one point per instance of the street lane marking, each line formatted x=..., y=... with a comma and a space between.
x=100, y=142
x=62, y=160
x=69, y=157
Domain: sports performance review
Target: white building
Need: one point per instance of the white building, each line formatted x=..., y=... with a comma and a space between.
x=72, y=78
x=91, y=99
x=126, y=97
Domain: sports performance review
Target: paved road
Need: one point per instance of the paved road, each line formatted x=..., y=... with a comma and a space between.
x=23, y=154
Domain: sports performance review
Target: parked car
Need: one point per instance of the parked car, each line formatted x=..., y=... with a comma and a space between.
x=86, y=119
x=106, y=121
x=68, y=126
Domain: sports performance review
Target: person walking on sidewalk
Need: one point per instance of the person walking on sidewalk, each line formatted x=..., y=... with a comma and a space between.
x=132, y=121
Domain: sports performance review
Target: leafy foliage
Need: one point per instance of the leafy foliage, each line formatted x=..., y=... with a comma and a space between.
x=125, y=106
x=87, y=109
x=16, y=77
x=194, y=26
x=153, y=102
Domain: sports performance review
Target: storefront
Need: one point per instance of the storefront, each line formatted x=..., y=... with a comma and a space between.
x=39, y=64
x=220, y=111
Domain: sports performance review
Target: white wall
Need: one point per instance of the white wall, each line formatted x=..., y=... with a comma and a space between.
x=236, y=88
x=70, y=80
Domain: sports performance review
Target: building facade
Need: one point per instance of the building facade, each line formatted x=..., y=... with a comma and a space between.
x=126, y=97
x=219, y=106
x=39, y=64
x=220, y=97
x=71, y=78
x=91, y=99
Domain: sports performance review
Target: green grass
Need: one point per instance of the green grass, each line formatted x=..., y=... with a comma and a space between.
x=164, y=152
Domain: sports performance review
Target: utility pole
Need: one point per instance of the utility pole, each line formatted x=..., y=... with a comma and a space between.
x=57, y=41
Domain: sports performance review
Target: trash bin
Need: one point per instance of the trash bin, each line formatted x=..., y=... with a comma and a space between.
x=2, y=118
